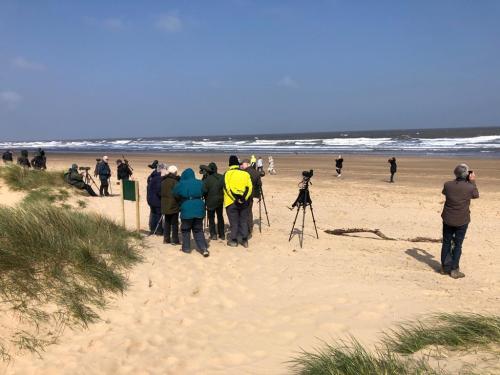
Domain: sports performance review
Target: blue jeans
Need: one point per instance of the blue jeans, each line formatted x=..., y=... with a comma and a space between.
x=450, y=257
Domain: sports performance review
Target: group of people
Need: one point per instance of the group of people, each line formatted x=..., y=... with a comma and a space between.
x=39, y=160
x=102, y=171
x=339, y=163
x=171, y=197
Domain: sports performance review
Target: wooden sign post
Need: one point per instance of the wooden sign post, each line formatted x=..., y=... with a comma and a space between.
x=130, y=192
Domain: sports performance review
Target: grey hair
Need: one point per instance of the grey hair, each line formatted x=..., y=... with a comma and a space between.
x=161, y=166
x=461, y=171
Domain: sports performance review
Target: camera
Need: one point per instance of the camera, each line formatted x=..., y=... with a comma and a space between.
x=84, y=169
x=308, y=174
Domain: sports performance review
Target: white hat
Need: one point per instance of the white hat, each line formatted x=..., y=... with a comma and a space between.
x=105, y=158
x=172, y=169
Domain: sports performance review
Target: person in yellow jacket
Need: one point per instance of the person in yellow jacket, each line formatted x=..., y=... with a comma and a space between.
x=237, y=194
x=253, y=161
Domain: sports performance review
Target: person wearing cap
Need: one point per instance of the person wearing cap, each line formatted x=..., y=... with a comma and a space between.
x=247, y=166
x=153, y=197
x=104, y=173
x=214, y=200
x=237, y=194
x=74, y=178
x=170, y=207
x=456, y=218
x=189, y=192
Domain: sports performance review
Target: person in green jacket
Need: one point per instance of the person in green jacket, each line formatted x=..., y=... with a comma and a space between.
x=170, y=207
x=74, y=178
x=214, y=200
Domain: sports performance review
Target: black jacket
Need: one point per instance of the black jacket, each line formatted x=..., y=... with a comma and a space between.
x=394, y=166
x=7, y=156
x=123, y=171
x=256, y=181
x=103, y=170
x=154, y=190
x=214, y=187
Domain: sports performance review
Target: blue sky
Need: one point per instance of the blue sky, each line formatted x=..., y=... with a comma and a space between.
x=92, y=69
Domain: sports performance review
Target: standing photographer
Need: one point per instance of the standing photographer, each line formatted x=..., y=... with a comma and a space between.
x=214, y=200
x=456, y=218
x=123, y=170
x=247, y=166
x=104, y=173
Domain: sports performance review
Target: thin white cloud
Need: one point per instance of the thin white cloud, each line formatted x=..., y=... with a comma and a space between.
x=22, y=63
x=288, y=82
x=110, y=23
x=113, y=23
x=10, y=99
x=169, y=22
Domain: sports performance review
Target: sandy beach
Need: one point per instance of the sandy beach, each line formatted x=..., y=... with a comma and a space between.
x=249, y=311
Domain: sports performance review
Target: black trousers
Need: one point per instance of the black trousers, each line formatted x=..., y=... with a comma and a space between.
x=154, y=218
x=103, y=189
x=171, y=228
x=238, y=221
x=392, y=176
x=250, y=216
x=220, y=222
x=196, y=226
x=89, y=190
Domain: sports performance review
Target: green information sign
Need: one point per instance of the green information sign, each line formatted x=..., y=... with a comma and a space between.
x=128, y=190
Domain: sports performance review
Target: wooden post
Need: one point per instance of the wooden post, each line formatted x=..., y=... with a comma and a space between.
x=137, y=207
x=123, y=205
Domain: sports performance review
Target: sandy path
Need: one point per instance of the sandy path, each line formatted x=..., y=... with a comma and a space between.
x=248, y=311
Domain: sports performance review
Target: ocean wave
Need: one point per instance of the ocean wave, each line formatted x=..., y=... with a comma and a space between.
x=401, y=143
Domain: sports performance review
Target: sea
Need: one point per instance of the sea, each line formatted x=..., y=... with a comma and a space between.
x=481, y=142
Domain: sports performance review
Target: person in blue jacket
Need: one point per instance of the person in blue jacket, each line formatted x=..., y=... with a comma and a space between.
x=189, y=192
x=154, y=199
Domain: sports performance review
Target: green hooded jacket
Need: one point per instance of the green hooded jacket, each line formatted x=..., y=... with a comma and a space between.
x=214, y=187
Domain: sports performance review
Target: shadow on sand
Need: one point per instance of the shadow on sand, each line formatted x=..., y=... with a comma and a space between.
x=424, y=257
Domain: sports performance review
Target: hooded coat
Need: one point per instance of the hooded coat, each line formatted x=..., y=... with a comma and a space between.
x=214, y=188
x=189, y=192
x=154, y=191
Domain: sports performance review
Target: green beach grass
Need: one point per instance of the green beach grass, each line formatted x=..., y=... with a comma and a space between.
x=399, y=348
x=57, y=268
x=22, y=179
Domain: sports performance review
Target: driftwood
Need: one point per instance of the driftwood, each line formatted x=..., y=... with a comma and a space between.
x=377, y=232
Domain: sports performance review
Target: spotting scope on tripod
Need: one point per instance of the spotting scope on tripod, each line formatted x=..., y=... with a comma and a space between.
x=302, y=202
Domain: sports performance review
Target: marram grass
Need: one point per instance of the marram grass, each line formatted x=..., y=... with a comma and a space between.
x=57, y=268
x=18, y=178
x=394, y=355
x=451, y=331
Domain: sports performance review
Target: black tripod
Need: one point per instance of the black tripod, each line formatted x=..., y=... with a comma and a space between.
x=87, y=178
x=262, y=201
x=303, y=201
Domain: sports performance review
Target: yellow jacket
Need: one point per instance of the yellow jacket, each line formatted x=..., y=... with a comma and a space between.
x=236, y=181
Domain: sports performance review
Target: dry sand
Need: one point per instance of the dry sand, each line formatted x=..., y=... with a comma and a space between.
x=250, y=311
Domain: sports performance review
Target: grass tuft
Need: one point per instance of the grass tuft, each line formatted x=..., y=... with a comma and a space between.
x=18, y=178
x=452, y=331
x=351, y=358
x=57, y=267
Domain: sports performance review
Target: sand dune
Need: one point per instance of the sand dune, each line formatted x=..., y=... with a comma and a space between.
x=249, y=311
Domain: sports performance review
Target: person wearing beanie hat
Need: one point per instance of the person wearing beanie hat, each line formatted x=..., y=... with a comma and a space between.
x=237, y=193
x=170, y=207
x=456, y=218
x=74, y=178
x=214, y=200
x=153, y=197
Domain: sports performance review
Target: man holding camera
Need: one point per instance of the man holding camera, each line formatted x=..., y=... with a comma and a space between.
x=104, y=173
x=456, y=218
